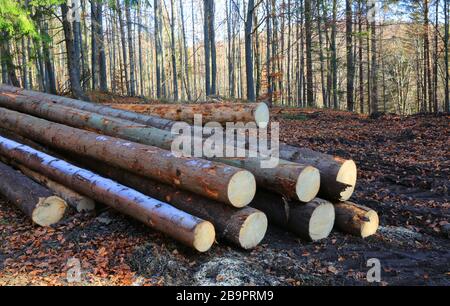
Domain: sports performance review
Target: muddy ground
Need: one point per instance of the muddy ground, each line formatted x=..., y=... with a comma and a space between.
x=404, y=170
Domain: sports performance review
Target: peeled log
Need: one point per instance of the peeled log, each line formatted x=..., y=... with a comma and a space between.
x=337, y=176
x=245, y=227
x=211, y=112
x=74, y=199
x=312, y=221
x=186, y=228
x=356, y=219
x=213, y=180
x=288, y=179
x=34, y=200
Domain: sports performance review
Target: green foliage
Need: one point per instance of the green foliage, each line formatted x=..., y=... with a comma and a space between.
x=14, y=19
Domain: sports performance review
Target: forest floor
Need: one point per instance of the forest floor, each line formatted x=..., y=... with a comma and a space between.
x=404, y=171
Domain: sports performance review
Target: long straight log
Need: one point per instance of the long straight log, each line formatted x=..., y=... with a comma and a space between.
x=312, y=221
x=11, y=91
x=356, y=219
x=245, y=227
x=210, y=112
x=184, y=227
x=34, y=200
x=79, y=202
x=288, y=179
x=216, y=181
x=337, y=175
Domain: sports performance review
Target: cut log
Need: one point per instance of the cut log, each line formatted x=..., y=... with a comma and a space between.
x=288, y=179
x=10, y=92
x=184, y=227
x=245, y=227
x=312, y=221
x=293, y=181
x=216, y=181
x=211, y=112
x=79, y=202
x=34, y=200
x=356, y=219
x=337, y=176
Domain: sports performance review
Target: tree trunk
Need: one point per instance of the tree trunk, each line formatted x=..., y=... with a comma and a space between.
x=124, y=45
x=374, y=70
x=446, y=60
x=73, y=64
x=212, y=40
x=216, y=181
x=34, y=200
x=186, y=228
x=174, y=59
x=130, y=48
x=186, y=54
x=349, y=49
x=313, y=221
x=309, y=63
x=356, y=220
x=249, y=52
x=334, y=56
x=101, y=48
x=94, y=47
x=207, y=47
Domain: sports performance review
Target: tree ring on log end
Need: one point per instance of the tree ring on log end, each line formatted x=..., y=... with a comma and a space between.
x=322, y=221
x=253, y=230
x=347, y=175
x=241, y=189
x=262, y=115
x=370, y=227
x=204, y=236
x=49, y=211
x=308, y=184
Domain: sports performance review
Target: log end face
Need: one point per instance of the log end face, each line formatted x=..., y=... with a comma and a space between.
x=347, y=175
x=262, y=115
x=49, y=211
x=204, y=236
x=85, y=205
x=370, y=226
x=241, y=189
x=253, y=230
x=308, y=184
x=322, y=221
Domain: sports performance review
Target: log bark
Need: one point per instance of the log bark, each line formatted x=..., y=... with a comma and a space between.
x=337, y=175
x=356, y=219
x=216, y=181
x=186, y=228
x=34, y=200
x=288, y=179
x=211, y=112
x=153, y=121
x=78, y=201
x=312, y=221
x=245, y=227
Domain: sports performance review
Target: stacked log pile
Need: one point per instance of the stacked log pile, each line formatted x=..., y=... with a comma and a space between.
x=84, y=152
